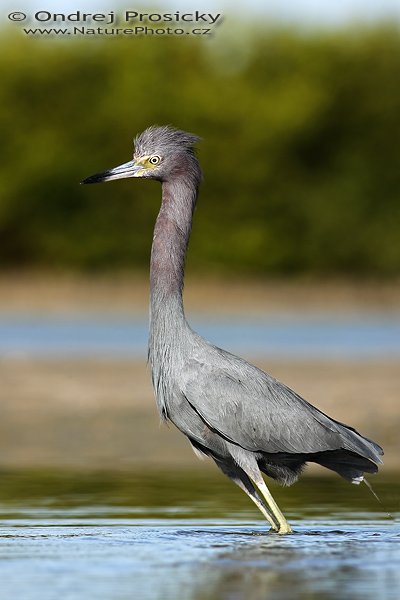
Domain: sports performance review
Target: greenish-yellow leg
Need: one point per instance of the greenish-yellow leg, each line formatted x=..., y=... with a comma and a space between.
x=260, y=505
x=283, y=525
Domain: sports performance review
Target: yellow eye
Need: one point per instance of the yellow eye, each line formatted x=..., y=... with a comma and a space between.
x=154, y=160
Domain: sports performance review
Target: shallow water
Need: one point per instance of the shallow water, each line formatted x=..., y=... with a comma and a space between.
x=374, y=335
x=193, y=536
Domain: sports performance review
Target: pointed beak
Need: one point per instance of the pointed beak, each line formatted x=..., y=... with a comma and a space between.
x=129, y=169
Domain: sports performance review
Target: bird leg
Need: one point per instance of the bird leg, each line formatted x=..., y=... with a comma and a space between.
x=283, y=525
x=238, y=476
x=255, y=497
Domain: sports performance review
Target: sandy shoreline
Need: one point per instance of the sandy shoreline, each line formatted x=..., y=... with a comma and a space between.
x=50, y=293
x=101, y=414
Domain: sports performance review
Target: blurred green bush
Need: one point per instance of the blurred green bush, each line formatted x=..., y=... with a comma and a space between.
x=300, y=152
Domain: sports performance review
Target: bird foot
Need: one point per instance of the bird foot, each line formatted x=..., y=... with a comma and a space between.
x=284, y=529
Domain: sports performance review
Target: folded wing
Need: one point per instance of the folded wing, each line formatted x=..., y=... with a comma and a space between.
x=255, y=411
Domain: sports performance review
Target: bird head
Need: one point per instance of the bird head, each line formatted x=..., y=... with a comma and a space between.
x=159, y=153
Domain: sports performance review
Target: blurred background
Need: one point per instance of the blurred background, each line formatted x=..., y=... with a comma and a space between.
x=294, y=260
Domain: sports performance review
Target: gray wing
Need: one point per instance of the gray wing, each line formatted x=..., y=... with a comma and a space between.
x=254, y=410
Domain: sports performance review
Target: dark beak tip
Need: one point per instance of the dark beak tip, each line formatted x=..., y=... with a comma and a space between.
x=98, y=178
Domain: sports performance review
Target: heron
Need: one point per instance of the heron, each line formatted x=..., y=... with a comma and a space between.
x=231, y=411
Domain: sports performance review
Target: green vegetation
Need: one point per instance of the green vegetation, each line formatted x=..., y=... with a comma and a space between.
x=300, y=152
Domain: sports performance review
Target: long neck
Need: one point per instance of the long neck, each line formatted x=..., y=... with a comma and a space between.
x=170, y=241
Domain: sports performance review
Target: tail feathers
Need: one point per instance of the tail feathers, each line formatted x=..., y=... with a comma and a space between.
x=347, y=464
x=355, y=442
x=351, y=440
